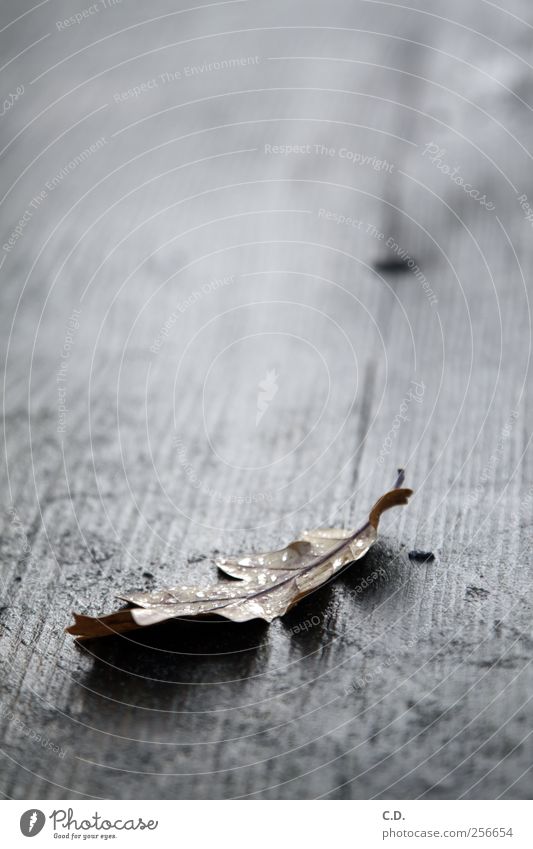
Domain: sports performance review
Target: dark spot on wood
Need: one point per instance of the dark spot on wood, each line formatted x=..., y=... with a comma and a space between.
x=421, y=556
x=476, y=593
x=392, y=265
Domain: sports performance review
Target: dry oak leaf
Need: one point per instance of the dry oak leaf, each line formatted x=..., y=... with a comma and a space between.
x=269, y=584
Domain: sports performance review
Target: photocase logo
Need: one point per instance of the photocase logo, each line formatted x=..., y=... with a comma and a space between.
x=32, y=822
x=268, y=388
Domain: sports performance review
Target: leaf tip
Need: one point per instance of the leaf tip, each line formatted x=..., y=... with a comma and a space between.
x=394, y=498
x=399, y=478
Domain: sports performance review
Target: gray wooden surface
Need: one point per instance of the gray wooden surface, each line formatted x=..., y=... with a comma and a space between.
x=400, y=679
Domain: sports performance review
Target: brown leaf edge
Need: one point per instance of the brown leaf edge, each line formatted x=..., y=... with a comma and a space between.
x=88, y=627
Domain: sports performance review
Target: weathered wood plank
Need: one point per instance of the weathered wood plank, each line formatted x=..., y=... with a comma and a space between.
x=400, y=679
